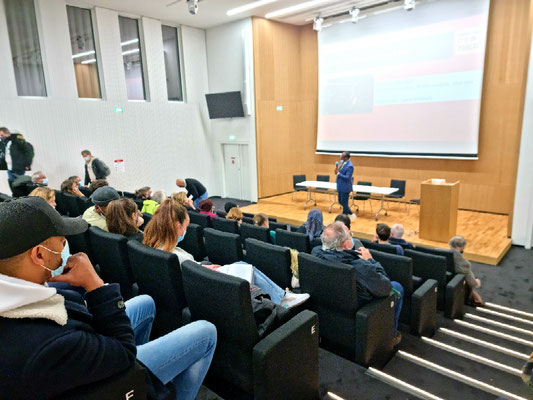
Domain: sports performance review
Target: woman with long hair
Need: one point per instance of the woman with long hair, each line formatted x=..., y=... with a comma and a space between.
x=180, y=198
x=123, y=217
x=167, y=228
x=70, y=186
x=235, y=213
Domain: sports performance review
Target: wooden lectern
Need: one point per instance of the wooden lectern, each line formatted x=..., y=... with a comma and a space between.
x=438, y=210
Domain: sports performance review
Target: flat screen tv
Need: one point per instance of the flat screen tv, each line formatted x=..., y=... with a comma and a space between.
x=224, y=105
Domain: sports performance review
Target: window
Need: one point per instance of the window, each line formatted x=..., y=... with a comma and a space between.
x=25, y=47
x=172, y=63
x=84, y=55
x=131, y=56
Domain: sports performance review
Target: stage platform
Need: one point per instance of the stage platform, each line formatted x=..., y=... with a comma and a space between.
x=485, y=233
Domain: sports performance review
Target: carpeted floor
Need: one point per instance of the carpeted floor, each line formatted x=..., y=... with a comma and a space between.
x=219, y=202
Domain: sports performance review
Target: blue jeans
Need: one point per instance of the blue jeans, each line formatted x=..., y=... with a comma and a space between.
x=266, y=285
x=343, y=201
x=182, y=356
x=398, y=288
x=199, y=199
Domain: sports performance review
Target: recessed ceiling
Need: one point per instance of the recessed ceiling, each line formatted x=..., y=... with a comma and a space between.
x=213, y=12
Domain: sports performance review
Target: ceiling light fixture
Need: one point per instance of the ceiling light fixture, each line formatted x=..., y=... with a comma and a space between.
x=250, y=6
x=92, y=60
x=295, y=8
x=317, y=23
x=409, y=5
x=354, y=13
x=87, y=53
x=129, y=42
x=125, y=53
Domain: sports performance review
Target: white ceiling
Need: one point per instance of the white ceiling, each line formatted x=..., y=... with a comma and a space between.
x=213, y=12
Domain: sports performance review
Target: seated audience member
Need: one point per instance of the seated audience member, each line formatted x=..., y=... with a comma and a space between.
x=372, y=280
x=24, y=184
x=167, y=228
x=69, y=186
x=229, y=205
x=97, y=184
x=143, y=193
x=313, y=227
x=207, y=207
x=96, y=215
x=58, y=340
x=150, y=205
x=235, y=213
x=397, y=232
x=195, y=189
x=262, y=220
x=84, y=189
x=346, y=220
x=180, y=198
x=463, y=266
x=383, y=233
x=123, y=217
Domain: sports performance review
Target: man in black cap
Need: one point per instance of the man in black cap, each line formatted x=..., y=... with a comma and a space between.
x=54, y=341
x=95, y=215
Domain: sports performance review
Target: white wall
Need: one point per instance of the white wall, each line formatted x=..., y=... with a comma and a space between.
x=230, y=63
x=159, y=140
x=523, y=203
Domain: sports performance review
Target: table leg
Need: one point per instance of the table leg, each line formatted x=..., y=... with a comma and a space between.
x=309, y=197
x=332, y=204
x=382, y=207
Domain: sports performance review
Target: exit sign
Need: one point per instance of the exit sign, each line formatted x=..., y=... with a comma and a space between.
x=279, y=108
x=119, y=109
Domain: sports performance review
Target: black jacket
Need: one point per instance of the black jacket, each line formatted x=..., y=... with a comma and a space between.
x=21, y=153
x=42, y=359
x=372, y=280
x=194, y=188
x=101, y=171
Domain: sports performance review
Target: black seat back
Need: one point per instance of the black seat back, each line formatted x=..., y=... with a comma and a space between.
x=430, y=266
x=225, y=225
x=294, y=240
x=83, y=204
x=111, y=254
x=222, y=247
x=322, y=178
x=71, y=202
x=200, y=219
x=400, y=185
x=221, y=214
x=398, y=268
x=362, y=196
x=129, y=195
x=274, y=261
x=298, y=179
x=224, y=301
x=147, y=217
x=384, y=247
x=4, y=197
x=61, y=204
x=276, y=225
x=446, y=253
x=193, y=243
x=248, y=220
x=158, y=275
x=81, y=243
x=255, y=232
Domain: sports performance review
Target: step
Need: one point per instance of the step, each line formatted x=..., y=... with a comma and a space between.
x=509, y=310
x=493, y=322
x=406, y=387
x=475, y=369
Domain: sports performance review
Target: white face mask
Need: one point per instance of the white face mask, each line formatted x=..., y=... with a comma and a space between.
x=57, y=271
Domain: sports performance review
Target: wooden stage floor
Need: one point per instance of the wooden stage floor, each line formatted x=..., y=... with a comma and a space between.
x=485, y=233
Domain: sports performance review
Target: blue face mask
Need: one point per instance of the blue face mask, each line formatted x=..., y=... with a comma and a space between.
x=87, y=159
x=353, y=243
x=57, y=271
x=180, y=238
x=44, y=182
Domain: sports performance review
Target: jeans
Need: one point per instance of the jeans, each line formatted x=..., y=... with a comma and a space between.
x=266, y=285
x=199, y=199
x=182, y=356
x=343, y=201
x=398, y=288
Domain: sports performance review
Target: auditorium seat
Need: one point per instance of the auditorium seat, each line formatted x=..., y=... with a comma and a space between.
x=83, y=204
x=71, y=204
x=221, y=214
x=255, y=232
x=248, y=220
x=111, y=255
x=193, y=242
x=61, y=205
x=222, y=247
x=362, y=197
x=274, y=261
x=4, y=197
x=361, y=334
x=276, y=225
x=398, y=195
x=129, y=195
x=451, y=294
x=298, y=179
x=280, y=365
x=419, y=309
x=158, y=275
x=147, y=217
x=294, y=240
x=246, y=214
x=385, y=247
x=225, y=225
x=81, y=243
x=200, y=219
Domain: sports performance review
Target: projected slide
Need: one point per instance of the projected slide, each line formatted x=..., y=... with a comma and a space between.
x=404, y=83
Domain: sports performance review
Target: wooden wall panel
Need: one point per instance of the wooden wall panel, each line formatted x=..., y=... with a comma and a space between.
x=286, y=73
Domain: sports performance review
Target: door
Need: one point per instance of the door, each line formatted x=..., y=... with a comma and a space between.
x=233, y=170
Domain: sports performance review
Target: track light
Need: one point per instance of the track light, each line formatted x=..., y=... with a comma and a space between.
x=354, y=12
x=317, y=23
x=193, y=6
x=409, y=5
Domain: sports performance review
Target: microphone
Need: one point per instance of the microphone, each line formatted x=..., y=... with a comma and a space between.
x=336, y=164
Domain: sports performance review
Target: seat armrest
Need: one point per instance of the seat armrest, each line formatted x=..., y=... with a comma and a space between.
x=455, y=297
x=186, y=316
x=423, y=319
x=286, y=361
x=374, y=328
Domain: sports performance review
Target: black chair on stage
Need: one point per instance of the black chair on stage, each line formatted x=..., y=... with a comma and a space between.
x=364, y=197
x=225, y=225
x=398, y=195
x=158, y=274
x=295, y=180
x=419, y=309
x=274, y=261
x=281, y=365
x=222, y=247
x=193, y=243
x=294, y=240
x=255, y=232
x=361, y=334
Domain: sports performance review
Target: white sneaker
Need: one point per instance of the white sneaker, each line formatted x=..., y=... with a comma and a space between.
x=353, y=217
x=291, y=299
